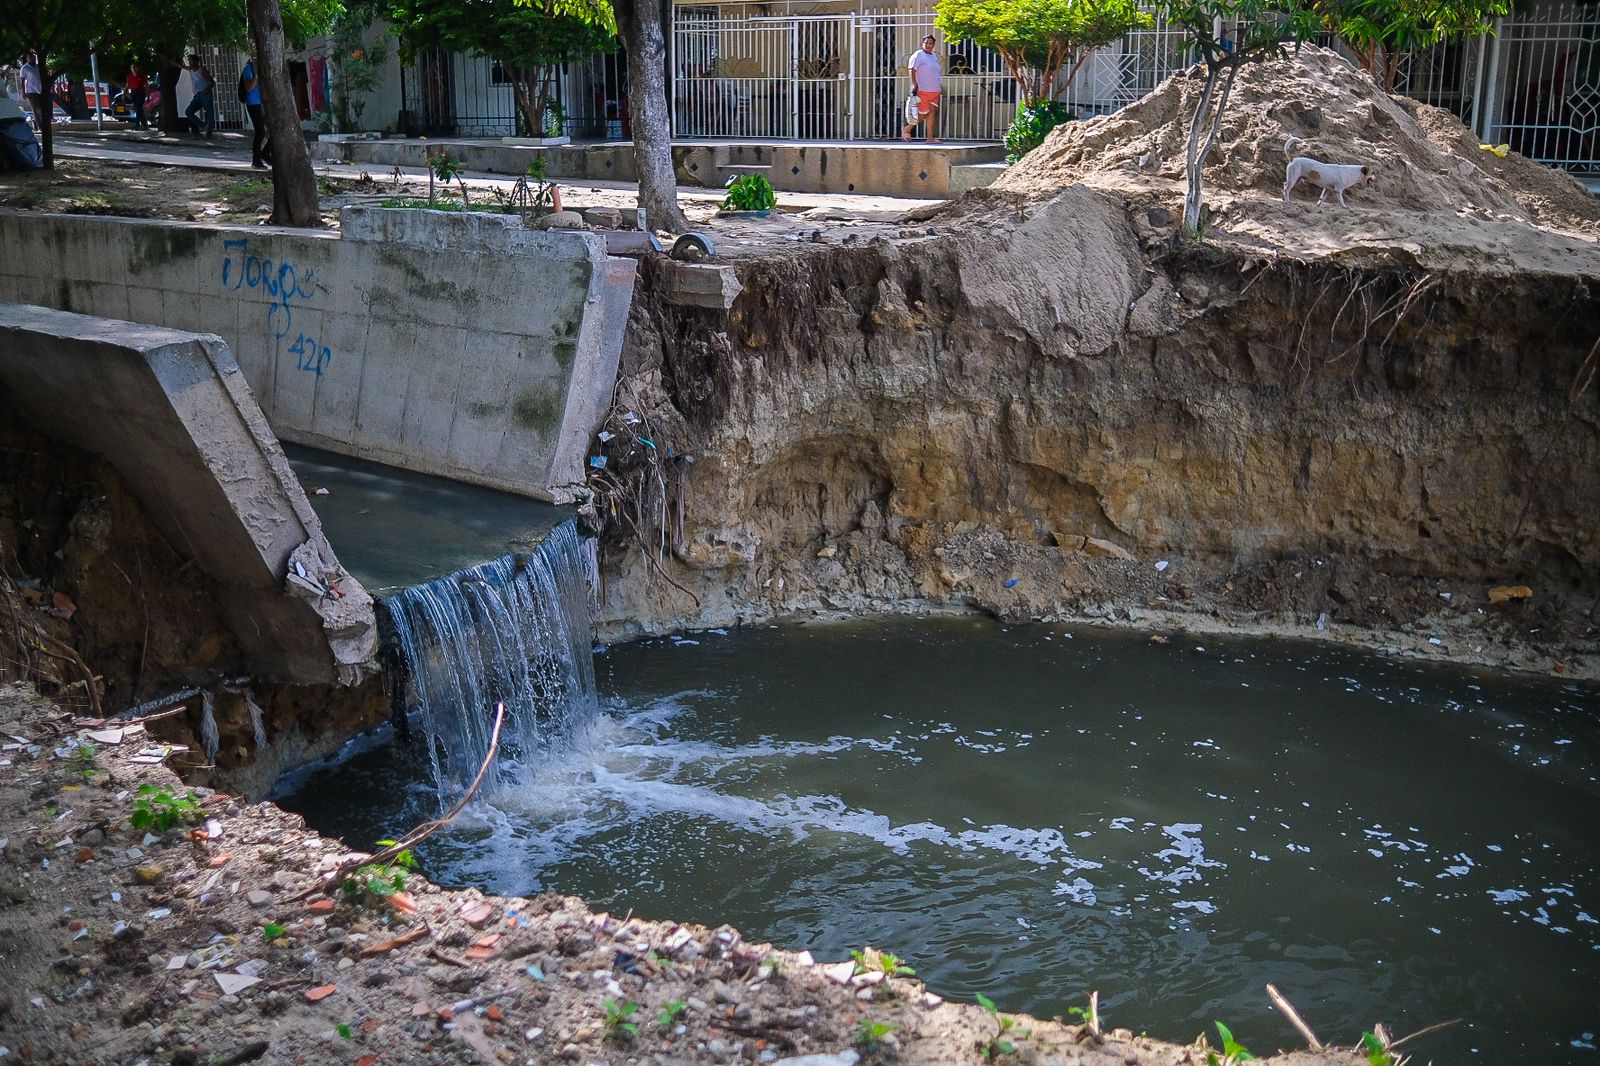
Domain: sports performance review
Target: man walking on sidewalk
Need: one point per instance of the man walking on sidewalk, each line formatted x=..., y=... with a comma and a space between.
x=250, y=97
x=33, y=90
x=205, y=88
x=927, y=80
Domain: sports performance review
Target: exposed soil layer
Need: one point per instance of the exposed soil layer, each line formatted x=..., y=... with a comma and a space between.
x=1351, y=424
x=90, y=587
x=232, y=944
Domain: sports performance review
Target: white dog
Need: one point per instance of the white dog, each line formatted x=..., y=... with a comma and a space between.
x=1331, y=177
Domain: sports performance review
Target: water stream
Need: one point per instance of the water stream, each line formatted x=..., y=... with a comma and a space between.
x=1033, y=812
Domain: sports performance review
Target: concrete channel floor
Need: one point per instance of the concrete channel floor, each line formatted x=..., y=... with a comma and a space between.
x=230, y=152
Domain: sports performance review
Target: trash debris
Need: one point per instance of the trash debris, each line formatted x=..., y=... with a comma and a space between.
x=320, y=492
x=321, y=992
x=1507, y=593
x=1162, y=565
x=1013, y=583
x=232, y=983
x=598, y=461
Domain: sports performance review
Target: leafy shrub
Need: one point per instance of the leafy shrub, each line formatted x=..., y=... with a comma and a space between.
x=749, y=192
x=158, y=809
x=1032, y=123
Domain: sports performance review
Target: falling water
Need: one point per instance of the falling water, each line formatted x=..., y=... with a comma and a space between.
x=513, y=630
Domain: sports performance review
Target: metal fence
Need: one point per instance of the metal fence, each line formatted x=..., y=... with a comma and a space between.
x=739, y=72
x=1542, y=87
x=465, y=95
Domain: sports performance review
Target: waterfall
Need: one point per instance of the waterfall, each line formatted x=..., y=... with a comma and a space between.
x=512, y=630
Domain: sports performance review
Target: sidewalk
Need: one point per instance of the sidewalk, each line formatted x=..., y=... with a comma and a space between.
x=229, y=152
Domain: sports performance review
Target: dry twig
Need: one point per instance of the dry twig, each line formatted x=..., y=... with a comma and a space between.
x=1293, y=1015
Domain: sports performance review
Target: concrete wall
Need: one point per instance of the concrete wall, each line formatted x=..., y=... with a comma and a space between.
x=458, y=345
x=870, y=169
x=171, y=412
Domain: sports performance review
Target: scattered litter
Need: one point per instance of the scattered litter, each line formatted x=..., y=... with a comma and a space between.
x=630, y=418
x=1435, y=640
x=177, y=962
x=1322, y=620
x=158, y=913
x=232, y=983
x=320, y=992
x=1013, y=583
x=155, y=756
x=606, y=436
x=252, y=968
x=114, y=736
x=598, y=461
x=320, y=492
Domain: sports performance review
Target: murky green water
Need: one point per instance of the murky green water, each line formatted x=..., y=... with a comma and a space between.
x=1038, y=811
x=392, y=528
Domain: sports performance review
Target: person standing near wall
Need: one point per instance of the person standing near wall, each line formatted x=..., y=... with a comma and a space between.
x=33, y=89
x=250, y=97
x=927, y=81
x=205, y=98
x=138, y=87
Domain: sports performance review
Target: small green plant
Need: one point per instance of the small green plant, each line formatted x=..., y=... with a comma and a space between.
x=671, y=1013
x=381, y=879
x=343, y=1030
x=1032, y=124
x=1232, y=1050
x=81, y=762
x=272, y=931
x=1090, y=1015
x=885, y=962
x=555, y=119
x=1376, y=1053
x=616, y=1023
x=749, y=192
x=869, y=1034
x=156, y=808
x=446, y=168
x=1005, y=1029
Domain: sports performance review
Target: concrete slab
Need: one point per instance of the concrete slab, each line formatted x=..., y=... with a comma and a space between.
x=974, y=176
x=171, y=412
x=374, y=342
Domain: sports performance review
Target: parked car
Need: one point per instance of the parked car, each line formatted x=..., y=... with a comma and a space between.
x=122, y=103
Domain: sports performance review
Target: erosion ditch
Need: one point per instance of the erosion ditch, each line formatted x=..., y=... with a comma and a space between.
x=1058, y=413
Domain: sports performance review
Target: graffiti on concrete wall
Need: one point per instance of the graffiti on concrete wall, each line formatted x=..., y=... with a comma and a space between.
x=284, y=285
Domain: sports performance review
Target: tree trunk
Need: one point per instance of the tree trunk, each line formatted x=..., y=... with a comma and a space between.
x=169, y=116
x=294, y=184
x=640, y=23
x=47, y=133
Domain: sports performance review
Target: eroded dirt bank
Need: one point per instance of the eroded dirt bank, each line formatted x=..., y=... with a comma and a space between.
x=1049, y=409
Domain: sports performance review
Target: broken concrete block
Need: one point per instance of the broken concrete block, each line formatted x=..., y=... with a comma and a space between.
x=1507, y=593
x=1104, y=549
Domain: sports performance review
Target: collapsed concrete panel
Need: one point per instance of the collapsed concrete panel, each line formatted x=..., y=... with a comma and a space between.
x=453, y=344
x=171, y=411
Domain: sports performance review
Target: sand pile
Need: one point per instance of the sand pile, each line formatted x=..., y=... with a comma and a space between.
x=1424, y=158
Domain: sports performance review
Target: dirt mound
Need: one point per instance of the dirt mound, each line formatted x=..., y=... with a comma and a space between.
x=1424, y=158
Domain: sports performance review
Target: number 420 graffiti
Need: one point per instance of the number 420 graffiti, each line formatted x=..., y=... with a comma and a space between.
x=314, y=358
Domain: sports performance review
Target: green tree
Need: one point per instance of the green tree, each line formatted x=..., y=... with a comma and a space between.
x=1227, y=34
x=1039, y=39
x=1387, y=29
x=530, y=41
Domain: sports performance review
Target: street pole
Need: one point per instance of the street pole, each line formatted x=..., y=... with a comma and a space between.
x=99, y=108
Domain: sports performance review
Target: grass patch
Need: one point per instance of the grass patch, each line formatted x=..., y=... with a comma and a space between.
x=441, y=204
x=246, y=194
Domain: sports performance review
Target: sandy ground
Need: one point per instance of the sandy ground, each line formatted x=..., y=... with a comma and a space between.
x=228, y=938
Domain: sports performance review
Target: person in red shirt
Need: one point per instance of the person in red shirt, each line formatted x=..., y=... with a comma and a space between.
x=138, y=87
